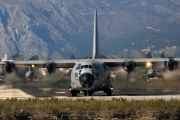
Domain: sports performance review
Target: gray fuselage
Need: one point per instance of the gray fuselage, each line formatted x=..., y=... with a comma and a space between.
x=90, y=75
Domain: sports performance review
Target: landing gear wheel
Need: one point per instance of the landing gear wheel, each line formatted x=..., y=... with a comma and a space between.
x=74, y=93
x=85, y=93
x=90, y=93
x=109, y=92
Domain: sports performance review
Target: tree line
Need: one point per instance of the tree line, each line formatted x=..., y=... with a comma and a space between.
x=19, y=57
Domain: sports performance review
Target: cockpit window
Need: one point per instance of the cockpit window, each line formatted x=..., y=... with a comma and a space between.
x=95, y=66
x=90, y=66
x=86, y=66
x=78, y=67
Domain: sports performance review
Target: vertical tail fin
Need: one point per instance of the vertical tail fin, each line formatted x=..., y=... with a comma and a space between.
x=95, y=38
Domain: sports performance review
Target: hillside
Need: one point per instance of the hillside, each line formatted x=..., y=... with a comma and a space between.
x=51, y=28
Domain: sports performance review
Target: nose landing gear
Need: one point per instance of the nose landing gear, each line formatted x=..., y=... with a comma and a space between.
x=89, y=93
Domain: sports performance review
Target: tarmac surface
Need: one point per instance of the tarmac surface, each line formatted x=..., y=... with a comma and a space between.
x=129, y=94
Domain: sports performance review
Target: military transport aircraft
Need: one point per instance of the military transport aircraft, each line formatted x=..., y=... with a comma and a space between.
x=91, y=75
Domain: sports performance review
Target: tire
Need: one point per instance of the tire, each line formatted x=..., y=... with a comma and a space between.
x=90, y=93
x=85, y=93
x=74, y=93
x=109, y=92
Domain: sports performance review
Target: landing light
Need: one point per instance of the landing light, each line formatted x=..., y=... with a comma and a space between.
x=148, y=64
x=32, y=66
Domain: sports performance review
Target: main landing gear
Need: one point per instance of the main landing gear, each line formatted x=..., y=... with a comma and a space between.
x=109, y=91
x=73, y=92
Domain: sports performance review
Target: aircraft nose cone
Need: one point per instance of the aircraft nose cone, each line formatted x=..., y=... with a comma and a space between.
x=86, y=80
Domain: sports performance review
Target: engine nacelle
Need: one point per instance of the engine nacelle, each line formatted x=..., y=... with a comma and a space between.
x=30, y=75
x=50, y=67
x=9, y=66
x=129, y=66
x=151, y=72
x=171, y=64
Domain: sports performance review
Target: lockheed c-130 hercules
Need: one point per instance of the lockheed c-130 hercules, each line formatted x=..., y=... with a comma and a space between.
x=91, y=75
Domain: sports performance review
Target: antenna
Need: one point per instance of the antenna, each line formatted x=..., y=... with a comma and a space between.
x=95, y=37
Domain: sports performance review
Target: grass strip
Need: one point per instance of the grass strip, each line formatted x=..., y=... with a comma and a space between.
x=89, y=109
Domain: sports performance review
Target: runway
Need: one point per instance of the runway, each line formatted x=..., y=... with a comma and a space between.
x=128, y=94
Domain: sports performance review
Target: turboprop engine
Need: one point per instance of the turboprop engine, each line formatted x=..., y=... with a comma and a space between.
x=151, y=72
x=9, y=66
x=50, y=67
x=171, y=64
x=129, y=66
x=30, y=75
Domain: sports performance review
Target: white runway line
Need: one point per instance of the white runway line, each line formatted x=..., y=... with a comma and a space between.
x=60, y=92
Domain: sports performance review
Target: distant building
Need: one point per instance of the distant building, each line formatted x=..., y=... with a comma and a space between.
x=111, y=57
x=174, y=46
x=169, y=47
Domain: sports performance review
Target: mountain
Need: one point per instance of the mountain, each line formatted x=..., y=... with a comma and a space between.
x=56, y=28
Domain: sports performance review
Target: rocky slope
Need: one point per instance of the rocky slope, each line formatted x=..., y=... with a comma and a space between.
x=51, y=28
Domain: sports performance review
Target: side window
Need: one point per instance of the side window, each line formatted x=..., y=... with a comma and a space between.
x=76, y=74
x=78, y=67
x=95, y=66
x=90, y=66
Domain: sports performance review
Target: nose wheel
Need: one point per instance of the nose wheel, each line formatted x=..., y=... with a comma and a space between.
x=85, y=93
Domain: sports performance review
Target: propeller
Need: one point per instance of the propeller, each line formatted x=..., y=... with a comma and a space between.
x=127, y=71
x=36, y=74
x=52, y=74
x=56, y=76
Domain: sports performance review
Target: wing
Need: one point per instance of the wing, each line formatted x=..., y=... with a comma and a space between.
x=69, y=63
x=138, y=62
